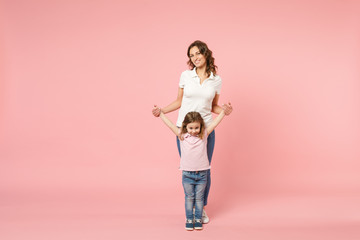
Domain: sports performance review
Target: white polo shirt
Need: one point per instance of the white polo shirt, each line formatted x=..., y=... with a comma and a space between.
x=198, y=97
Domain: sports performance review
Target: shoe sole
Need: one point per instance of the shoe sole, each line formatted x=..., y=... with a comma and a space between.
x=198, y=228
x=189, y=229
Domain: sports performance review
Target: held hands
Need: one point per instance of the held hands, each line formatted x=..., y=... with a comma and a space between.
x=156, y=111
x=227, y=108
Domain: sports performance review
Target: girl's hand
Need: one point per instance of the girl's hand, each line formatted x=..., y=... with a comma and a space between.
x=180, y=136
x=227, y=108
x=156, y=111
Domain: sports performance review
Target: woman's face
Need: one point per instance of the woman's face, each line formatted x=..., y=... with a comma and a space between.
x=197, y=58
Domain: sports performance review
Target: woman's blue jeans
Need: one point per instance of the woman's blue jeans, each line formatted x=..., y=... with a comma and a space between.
x=210, y=151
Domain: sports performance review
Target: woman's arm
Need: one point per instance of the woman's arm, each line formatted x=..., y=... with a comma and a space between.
x=175, y=104
x=215, y=122
x=168, y=123
x=217, y=109
x=172, y=106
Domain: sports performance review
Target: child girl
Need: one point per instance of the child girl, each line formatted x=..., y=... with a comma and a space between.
x=194, y=162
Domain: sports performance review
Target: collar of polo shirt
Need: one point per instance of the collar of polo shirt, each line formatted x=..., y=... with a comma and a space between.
x=194, y=74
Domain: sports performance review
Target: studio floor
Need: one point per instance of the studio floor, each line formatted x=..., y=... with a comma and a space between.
x=247, y=217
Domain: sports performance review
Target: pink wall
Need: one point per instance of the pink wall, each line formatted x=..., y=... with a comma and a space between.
x=79, y=79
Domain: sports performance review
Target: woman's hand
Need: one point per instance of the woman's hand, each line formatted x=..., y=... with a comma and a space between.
x=156, y=111
x=227, y=108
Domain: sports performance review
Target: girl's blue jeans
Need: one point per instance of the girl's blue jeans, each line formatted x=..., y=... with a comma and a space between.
x=194, y=184
x=210, y=151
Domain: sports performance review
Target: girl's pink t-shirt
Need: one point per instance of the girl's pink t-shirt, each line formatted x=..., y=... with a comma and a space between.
x=194, y=153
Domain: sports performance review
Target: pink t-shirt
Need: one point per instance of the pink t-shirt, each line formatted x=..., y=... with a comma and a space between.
x=194, y=153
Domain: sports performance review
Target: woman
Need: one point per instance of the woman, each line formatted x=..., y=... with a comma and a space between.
x=199, y=90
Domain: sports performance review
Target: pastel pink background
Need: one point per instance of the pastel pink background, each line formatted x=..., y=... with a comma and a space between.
x=82, y=157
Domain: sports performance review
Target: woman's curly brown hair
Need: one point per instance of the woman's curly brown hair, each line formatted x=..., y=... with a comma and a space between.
x=204, y=50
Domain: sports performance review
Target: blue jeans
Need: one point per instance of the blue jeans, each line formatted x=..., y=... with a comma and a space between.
x=210, y=150
x=194, y=184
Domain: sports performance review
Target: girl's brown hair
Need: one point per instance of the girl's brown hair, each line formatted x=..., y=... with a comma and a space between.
x=204, y=50
x=191, y=117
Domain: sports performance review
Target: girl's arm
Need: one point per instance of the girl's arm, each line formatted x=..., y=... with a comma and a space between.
x=215, y=122
x=172, y=106
x=168, y=123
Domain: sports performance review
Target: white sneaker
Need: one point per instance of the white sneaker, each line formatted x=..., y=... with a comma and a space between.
x=205, y=218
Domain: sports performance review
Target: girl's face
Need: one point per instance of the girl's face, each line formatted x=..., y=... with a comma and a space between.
x=193, y=128
x=196, y=57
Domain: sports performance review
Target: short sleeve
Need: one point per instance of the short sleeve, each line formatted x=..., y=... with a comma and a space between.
x=218, y=84
x=182, y=80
